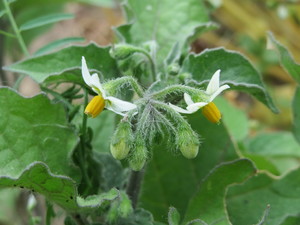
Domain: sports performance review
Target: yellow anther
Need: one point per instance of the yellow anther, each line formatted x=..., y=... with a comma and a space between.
x=95, y=106
x=211, y=112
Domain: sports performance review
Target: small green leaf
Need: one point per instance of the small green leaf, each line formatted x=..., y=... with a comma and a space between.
x=58, y=43
x=67, y=61
x=139, y=217
x=286, y=58
x=173, y=216
x=166, y=22
x=296, y=115
x=236, y=71
x=246, y=202
x=208, y=202
x=43, y=20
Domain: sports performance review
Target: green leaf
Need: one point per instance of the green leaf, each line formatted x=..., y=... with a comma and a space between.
x=34, y=130
x=236, y=71
x=234, y=119
x=280, y=148
x=165, y=169
x=173, y=216
x=253, y=196
x=287, y=60
x=296, y=114
x=208, y=202
x=58, y=43
x=166, y=22
x=43, y=20
x=67, y=61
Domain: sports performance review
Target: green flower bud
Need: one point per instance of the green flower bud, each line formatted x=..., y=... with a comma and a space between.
x=123, y=51
x=138, y=157
x=188, y=142
x=121, y=141
x=173, y=69
x=184, y=76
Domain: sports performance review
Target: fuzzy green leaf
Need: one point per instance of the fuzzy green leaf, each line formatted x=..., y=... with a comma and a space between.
x=166, y=22
x=287, y=60
x=236, y=71
x=67, y=61
x=296, y=115
x=35, y=150
x=44, y=20
x=33, y=130
x=165, y=170
x=58, y=43
x=208, y=202
x=173, y=216
x=282, y=195
x=280, y=148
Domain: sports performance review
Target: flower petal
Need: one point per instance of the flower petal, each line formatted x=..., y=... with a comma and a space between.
x=196, y=106
x=178, y=109
x=188, y=99
x=96, y=85
x=118, y=105
x=214, y=83
x=220, y=89
x=85, y=72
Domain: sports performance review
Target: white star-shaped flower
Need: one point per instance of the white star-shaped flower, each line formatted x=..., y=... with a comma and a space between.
x=213, y=90
x=102, y=100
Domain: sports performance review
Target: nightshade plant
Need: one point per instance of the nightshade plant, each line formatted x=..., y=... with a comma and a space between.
x=140, y=151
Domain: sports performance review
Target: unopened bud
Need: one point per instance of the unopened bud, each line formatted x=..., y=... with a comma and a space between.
x=184, y=76
x=188, y=142
x=121, y=141
x=123, y=51
x=138, y=157
x=173, y=69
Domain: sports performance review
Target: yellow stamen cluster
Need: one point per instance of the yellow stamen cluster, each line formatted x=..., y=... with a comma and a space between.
x=95, y=106
x=211, y=112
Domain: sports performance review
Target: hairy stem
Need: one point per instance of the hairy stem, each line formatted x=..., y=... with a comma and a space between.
x=179, y=89
x=152, y=65
x=114, y=84
x=134, y=186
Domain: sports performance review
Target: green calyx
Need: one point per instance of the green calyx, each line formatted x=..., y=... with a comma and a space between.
x=121, y=141
x=188, y=142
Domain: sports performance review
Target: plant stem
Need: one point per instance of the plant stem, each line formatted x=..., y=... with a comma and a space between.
x=82, y=152
x=134, y=186
x=152, y=65
x=79, y=220
x=179, y=89
x=15, y=28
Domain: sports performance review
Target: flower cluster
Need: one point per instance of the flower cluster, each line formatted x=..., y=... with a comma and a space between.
x=150, y=110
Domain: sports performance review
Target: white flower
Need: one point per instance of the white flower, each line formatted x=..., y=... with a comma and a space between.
x=102, y=100
x=213, y=90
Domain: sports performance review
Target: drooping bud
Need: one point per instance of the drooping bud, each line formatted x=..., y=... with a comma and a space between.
x=211, y=112
x=95, y=106
x=138, y=157
x=121, y=141
x=123, y=51
x=173, y=69
x=188, y=142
